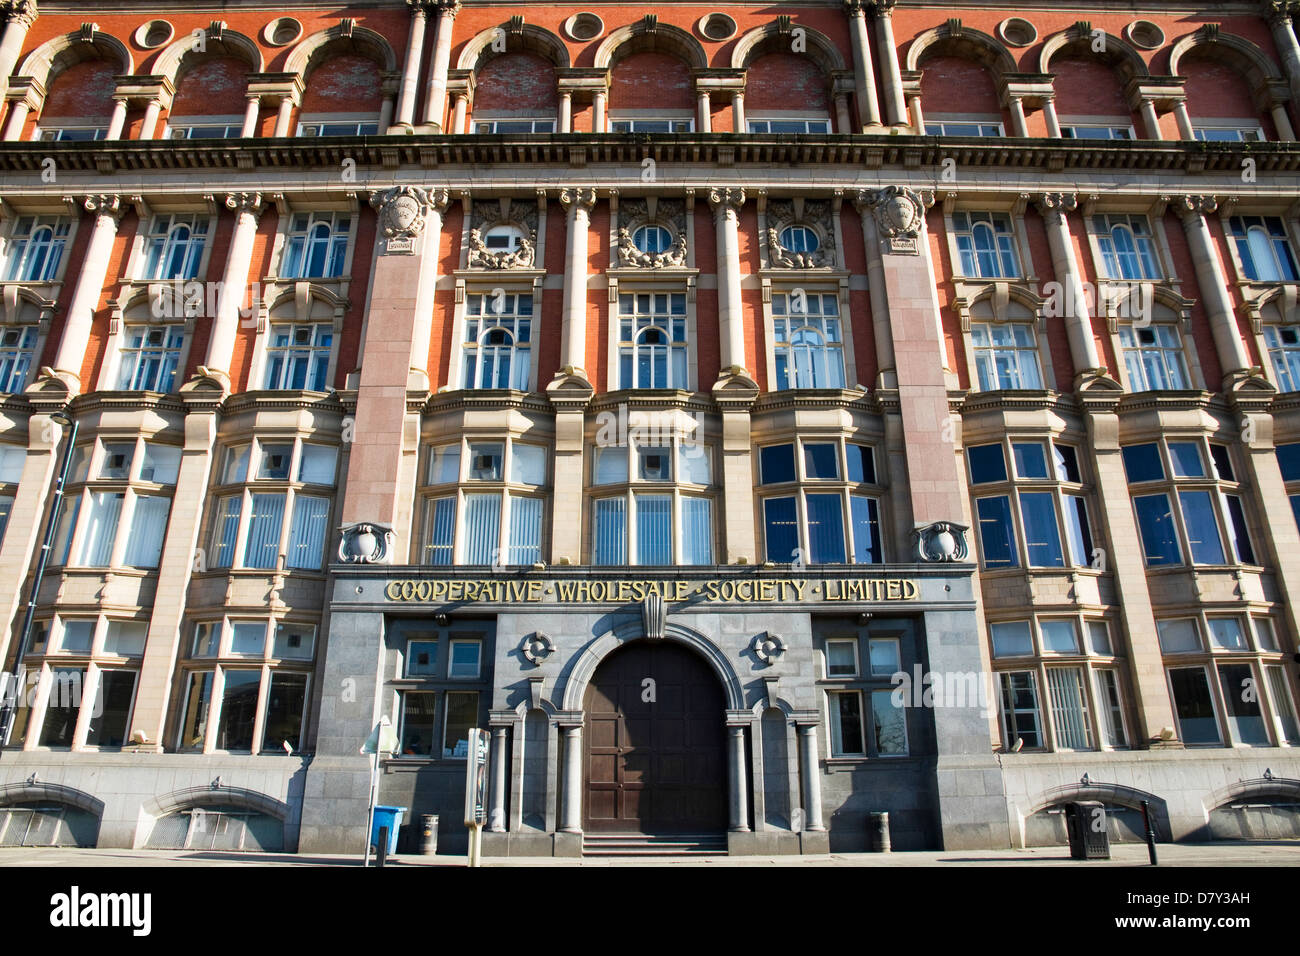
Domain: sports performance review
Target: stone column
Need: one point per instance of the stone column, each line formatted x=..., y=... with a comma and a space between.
x=436, y=101
x=571, y=821
x=458, y=113
x=411, y=66
x=252, y=113
x=864, y=71
x=894, y=110
x=118, y=120
x=842, y=122
x=21, y=15
x=1018, y=125
x=1150, y=118
x=1055, y=208
x=283, y=117
x=738, y=123
x=918, y=115
x=234, y=282
x=705, y=122
x=149, y=128
x=566, y=111
x=91, y=276
x=578, y=203
x=393, y=361
x=727, y=203
x=1127, y=567
x=1213, y=284
x=1280, y=13
x=598, y=124
x=1184, y=121
x=810, y=765
x=738, y=784
x=569, y=396
x=1285, y=131
x=497, y=818
x=17, y=121
x=1050, y=118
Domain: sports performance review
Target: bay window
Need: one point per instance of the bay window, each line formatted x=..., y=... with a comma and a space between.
x=1034, y=514
x=1188, y=511
x=118, y=515
x=830, y=511
x=1283, y=343
x=298, y=356
x=245, y=685
x=272, y=504
x=483, y=503
x=652, y=345
x=652, y=504
x=807, y=340
x=1059, y=683
x=498, y=341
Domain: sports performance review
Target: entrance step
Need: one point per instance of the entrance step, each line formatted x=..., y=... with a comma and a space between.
x=647, y=844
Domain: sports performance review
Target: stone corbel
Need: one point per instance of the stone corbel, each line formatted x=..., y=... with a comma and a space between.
x=941, y=542
x=366, y=543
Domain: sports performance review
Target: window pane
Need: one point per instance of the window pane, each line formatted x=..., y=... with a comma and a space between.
x=841, y=659
x=1237, y=534
x=161, y=463
x=1241, y=694
x=1110, y=709
x=885, y=660
x=1078, y=531
x=776, y=463
x=462, y=714
x=108, y=721
x=1202, y=529
x=987, y=464
x=77, y=637
x=194, y=725
x=525, y=546
x=294, y=641
x=1038, y=512
x=825, y=529
x=889, y=722
x=821, y=460
x=609, y=544
x=1060, y=636
x=996, y=536
x=264, y=523
x=1142, y=463
x=148, y=528
x=1156, y=521
x=1011, y=639
x=67, y=684
x=1031, y=460
x=866, y=530
x=528, y=464
x=1099, y=638
x=610, y=465
x=248, y=637
x=697, y=531
x=444, y=464
x=780, y=530
x=238, y=710
x=285, y=705
x=1283, y=704
x=1020, y=709
x=1226, y=633
x=307, y=532
x=439, y=528
x=485, y=461
x=418, y=726
x=482, y=528
x=694, y=463
x=862, y=463
x=846, y=724
x=654, y=536
x=1186, y=459
x=317, y=465
x=101, y=529
x=126, y=638
x=421, y=659
x=1179, y=636
x=1069, y=708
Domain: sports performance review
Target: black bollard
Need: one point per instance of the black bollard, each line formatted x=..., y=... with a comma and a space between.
x=382, y=856
x=1151, y=833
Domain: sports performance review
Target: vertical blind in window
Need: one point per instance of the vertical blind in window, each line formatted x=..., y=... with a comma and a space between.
x=610, y=546
x=525, y=530
x=697, y=531
x=264, y=531
x=482, y=528
x=1069, y=713
x=307, y=532
x=148, y=525
x=654, y=536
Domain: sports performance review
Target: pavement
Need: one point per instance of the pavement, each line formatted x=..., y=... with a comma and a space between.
x=1262, y=853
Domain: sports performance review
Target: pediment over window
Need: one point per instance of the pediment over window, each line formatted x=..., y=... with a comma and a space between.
x=23, y=304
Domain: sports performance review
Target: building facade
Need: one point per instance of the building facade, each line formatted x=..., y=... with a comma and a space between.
x=757, y=419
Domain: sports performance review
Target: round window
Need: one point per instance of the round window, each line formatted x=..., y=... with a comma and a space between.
x=652, y=239
x=153, y=34
x=584, y=26
x=1017, y=31
x=717, y=26
x=1145, y=34
x=799, y=239
x=282, y=32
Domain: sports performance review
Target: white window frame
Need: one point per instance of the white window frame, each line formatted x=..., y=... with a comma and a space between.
x=231, y=122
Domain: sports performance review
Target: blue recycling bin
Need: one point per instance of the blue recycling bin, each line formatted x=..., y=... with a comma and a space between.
x=390, y=817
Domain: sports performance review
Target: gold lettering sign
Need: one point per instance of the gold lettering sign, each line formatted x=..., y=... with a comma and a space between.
x=855, y=590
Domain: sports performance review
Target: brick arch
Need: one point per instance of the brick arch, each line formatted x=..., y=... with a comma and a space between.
x=768, y=39
x=1118, y=54
x=315, y=50
x=1218, y=86
x=213, y=86
x=960, y=41
x=180, y=57
x=958, y=84
x=781, y=80
x=52, y=57
x=1088, y=86
x=640, y=38
x=1229, y=48
x=516, y=81
x=343, y=83
x=651, y=79
x=83, y=89
x=536, y=40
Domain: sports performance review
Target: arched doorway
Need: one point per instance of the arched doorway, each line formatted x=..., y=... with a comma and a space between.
x=654, y=736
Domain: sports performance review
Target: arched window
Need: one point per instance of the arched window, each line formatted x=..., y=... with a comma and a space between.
x=504, y=238
x=652, y=340
x=1284, y=349
x=150, y=355
x=799, y=239
x=317, y=246
x=1006, y=356
x=1127, y=249
x=175, y=246
x=38, y=243
x=498, y=341
x=1153, y=357
x=1264, y=249
x=652, y=239
x=808, y=346
x=986, y=245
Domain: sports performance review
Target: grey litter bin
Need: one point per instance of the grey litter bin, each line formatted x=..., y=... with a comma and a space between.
x=429, y=834
x=1087, y=826
x=878, y=832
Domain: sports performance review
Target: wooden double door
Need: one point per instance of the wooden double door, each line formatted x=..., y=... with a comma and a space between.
x=654, y=741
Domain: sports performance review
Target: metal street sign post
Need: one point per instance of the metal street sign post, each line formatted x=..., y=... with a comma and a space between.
x=382, y=739
x=476, y=791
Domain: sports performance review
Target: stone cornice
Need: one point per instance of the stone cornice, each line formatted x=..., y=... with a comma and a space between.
x=719, y=149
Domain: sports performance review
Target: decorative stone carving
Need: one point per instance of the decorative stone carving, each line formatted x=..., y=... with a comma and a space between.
x=727, y=200
x=767, y=647
x=630, y=255
x=941, y=542
x=654, y=616
x=105, y=205
x=1056, y=205
x=537, y=647
x=669, y=214
x=578, y=197
x=250, y=203
x=403, y=212
x=22, y=12
x=1189, y=206
x=813, y=215
x=484, y=258
x=364, y=543
x=899, y=212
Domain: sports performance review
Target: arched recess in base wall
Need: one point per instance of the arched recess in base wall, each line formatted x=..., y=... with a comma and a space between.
x=1112, y=794
x=54, y=792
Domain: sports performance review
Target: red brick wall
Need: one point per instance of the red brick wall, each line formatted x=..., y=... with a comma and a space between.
x=1083, y=256
x=647, y=81
x=444, y=300
x=1040, y=252
x=349, y=341
x=74, y=255
x=751, y=300
x=98, y=342
x=85, y=89
x=517, y=81
x=548, y=329
x=1088, y=87
x=214, y=87
x=955, y=85
x=708, y=356
x=343, y=84
x=222, y=233
x=1217, y=90
x=859, y=319
x=942, y=262
x=1202, y=337
x=598, y=369
x=785, y=81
